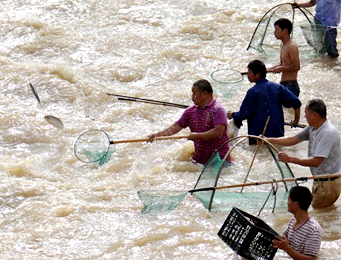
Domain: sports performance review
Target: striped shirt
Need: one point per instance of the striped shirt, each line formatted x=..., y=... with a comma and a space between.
x=306, y=239
x=201, y=120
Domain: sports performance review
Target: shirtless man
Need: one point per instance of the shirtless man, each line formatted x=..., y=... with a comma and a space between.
x=290, y=61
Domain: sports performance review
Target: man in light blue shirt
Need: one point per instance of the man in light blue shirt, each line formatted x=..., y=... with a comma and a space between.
x=327, y=14
x=324, y=153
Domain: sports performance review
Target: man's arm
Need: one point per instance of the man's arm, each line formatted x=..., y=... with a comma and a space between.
x=310, y=162
x=284, y=141
x=297, y=116
x=246, y=110
x=283, y=244
x=307, y=4
x=211, y=134
x=173, y=129
x=272, y=69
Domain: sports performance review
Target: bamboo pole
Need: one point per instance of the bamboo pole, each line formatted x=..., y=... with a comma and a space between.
x=327, y=176
x=254, y=156
x=148, y=139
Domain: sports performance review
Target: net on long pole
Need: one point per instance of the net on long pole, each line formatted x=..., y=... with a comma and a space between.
x=225, y=200
x=308, y=35
x=166, y=200
x=226, y=82
x=94, y=146
x=221, y=200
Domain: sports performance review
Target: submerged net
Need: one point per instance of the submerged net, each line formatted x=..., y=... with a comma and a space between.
x=160, y=201
x=308, y=35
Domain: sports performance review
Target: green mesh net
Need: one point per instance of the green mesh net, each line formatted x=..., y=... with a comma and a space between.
x=226, y=82
x=165, y=200
x=308, y=35
x=94, y=146
x=315, y=36
x=160, y=201
x=220, y=199
x=100, y=158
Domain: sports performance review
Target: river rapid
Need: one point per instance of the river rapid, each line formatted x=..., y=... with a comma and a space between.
x=53, y=206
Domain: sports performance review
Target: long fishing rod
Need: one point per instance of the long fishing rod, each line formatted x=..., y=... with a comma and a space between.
x=154, y=102
x=145, y=100
x=162, y=103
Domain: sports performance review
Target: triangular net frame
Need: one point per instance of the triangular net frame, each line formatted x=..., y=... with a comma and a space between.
x=166, y=200
x=308, y=35
x=221, y=200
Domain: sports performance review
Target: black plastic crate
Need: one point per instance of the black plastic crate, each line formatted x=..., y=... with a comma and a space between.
x=248, y=236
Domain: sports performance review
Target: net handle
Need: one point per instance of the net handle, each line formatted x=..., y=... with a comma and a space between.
x=148, y=139
x=254, y=156
x=145, y=100
x=327, y=176
x=297, y=125
x=155, y=102
x=34, y=90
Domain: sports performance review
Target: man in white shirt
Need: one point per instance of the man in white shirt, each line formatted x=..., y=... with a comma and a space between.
x=324, y=154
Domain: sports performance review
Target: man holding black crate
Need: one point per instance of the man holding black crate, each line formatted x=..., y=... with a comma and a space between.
x=324, y=154
x=302, y=238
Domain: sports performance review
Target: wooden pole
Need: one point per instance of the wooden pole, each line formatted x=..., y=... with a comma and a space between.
x=327, y=176
x=254, y=156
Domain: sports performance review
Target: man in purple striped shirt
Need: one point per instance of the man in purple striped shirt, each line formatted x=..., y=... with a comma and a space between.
x=302, y=238
x=207, y=121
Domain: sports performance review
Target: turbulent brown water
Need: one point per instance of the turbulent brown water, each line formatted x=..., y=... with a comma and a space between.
x=53, y=206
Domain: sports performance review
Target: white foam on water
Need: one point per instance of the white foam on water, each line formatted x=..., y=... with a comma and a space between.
x=54, y=206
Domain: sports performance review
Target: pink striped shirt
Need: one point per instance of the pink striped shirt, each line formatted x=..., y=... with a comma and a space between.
x=306, y=239
x=201, y=120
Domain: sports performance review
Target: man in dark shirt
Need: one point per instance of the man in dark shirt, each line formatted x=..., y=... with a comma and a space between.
x=265, y=99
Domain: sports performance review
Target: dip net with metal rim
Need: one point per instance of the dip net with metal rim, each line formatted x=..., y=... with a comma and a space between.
x=306, y=32
x=217, y=171
x=226, y=82
x=94, y=146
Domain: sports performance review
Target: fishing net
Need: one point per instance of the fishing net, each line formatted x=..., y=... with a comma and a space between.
x=222, y=200
x=306, y=33
x=226, y=82
x=94, y=146
x=315, y=36
x=166, y=200
x=160, y=201
x=225, y=200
